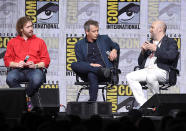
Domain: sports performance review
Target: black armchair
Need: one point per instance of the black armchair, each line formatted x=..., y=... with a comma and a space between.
x=113, y=80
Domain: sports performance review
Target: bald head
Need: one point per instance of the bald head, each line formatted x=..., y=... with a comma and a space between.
x=160, y=24
x=158, y=30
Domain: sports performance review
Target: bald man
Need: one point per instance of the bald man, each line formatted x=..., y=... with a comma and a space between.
x=155, y=60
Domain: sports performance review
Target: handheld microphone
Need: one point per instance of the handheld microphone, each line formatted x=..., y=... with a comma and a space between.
x=26, y=58
x=108, y=52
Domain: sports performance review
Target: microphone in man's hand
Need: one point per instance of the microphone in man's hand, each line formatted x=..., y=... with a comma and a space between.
x=26, y=58
x=108, y=53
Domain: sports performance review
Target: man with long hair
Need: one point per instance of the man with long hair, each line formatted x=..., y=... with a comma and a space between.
x=26, y=55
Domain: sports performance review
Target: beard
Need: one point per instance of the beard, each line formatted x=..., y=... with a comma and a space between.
x=153, y=36
x=28, y=34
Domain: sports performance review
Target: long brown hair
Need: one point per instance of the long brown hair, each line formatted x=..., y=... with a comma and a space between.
x=21, y=22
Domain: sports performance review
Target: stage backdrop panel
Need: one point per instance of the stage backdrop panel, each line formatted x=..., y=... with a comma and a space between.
x=61, y=26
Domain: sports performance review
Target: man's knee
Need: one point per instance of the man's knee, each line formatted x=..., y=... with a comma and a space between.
x=90, y=75
x=10, y=78
x=37, y=78
x=37, y=81
x=73, y=65
x=151, y=78
x=129, y=77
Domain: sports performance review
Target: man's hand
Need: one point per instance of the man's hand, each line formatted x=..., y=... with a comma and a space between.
x=30, y=64
x=144, y=46
x=21, y=64
x=113, y=55
x=152, y=47
x=95, y=65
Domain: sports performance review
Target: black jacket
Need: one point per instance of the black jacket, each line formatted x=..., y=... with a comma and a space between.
x=166, y=54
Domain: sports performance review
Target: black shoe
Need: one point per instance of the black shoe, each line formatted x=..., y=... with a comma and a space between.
x=29, y=104
x=36, y=101
x=91, y=100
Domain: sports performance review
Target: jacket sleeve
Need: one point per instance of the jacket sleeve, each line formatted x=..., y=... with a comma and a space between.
x=142, y=58
x=112, y=44
x=9, y=55
x=78, y=52
x=167, y=53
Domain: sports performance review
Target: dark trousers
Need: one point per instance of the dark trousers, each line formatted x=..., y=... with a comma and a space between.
x=35, y=78
x=90, y=74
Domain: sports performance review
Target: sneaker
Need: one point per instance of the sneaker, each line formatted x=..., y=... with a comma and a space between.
x=29, y=104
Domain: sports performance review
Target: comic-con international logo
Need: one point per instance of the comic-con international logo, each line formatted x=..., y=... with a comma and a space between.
x=123, y=14
x=71, y=40
x=119, y=96
x=50, y=86
x=44, y=13
x=178, y=40
x=165, y=10
x=3, y=43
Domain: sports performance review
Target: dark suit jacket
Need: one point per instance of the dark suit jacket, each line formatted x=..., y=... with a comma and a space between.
x=104, y=44
x=166, y=54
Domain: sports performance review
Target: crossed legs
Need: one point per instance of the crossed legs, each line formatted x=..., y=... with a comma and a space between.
x=90, y=74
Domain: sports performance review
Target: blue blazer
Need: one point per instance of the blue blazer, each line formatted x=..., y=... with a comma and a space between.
x=166, y=54
x=104, y=44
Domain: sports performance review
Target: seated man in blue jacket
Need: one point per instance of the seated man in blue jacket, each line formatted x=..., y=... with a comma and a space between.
x=93, y=53
x=155, y=60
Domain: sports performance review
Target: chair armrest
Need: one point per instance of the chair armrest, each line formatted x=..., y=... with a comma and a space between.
x=137, y=68
x=44, y=70
x=3, y=70
x=77, y=78
x=173, y=73
x=119, y=71
x=175, y=69
x=115, y=70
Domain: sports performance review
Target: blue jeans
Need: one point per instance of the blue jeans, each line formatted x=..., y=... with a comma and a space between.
x=90, y=74
x=35, y=77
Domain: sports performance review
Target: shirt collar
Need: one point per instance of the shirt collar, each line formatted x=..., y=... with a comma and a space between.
x=21, y=38
x=88, y=41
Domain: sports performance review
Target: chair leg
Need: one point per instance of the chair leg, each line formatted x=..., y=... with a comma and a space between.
x=86, y=87
x=39, y=99
x=79, y=92
x=103, y=95
x=132, y=105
